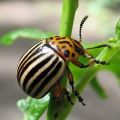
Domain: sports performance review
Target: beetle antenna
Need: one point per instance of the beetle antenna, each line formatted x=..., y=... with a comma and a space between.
x=81, y=25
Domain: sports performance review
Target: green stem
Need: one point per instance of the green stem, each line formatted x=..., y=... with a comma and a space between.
x=68, y=13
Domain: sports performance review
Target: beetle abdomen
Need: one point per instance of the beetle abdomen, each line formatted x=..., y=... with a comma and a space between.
x=39, y=69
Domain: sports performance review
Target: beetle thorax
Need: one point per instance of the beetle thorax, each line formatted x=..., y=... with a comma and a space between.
x=68, y=48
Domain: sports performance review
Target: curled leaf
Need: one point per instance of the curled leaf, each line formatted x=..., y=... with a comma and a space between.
x=33, y=108
x=31, y=33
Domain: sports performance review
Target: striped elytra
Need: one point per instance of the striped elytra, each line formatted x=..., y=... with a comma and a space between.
x=39, y=70
x=42, y=67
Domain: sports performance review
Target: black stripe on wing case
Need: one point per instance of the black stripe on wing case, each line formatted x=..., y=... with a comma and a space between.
x=35, y=69
x=29, y=55
x=22, y=70
x=42, y=75
x=47, y=80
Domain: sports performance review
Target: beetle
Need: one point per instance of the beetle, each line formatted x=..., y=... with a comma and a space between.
x=42, y=67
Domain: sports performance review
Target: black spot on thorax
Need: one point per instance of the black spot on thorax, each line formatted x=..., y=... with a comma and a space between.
x=66, y=53
x=58, y=38
x=63, y=47
x=65, y=43
x=73, y=54
x=51, y=38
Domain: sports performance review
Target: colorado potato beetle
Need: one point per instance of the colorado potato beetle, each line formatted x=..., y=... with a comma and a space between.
x=42, y=67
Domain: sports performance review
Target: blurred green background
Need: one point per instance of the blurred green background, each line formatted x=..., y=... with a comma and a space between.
x=45, y=15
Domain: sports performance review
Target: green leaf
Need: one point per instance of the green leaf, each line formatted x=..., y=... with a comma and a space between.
x=33, y=108
x=31, y=33
x=118, y=30
x=98, y=88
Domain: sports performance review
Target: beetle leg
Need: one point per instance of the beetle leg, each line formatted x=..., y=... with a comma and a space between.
x=71, y=81
x=59, y=92
x=44, y=44
x=68, y=96
x=47, y=44
x=99, y=46
x=79, y=64
x=93, y=59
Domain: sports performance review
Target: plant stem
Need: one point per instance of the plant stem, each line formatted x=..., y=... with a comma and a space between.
x=68, y=13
